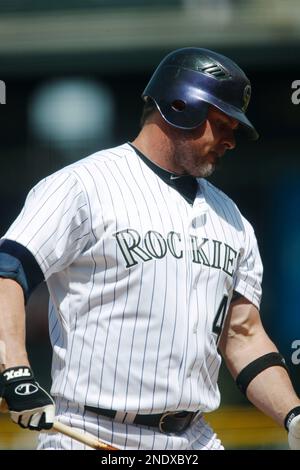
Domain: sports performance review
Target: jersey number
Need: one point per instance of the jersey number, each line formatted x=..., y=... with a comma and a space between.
x=220, y=317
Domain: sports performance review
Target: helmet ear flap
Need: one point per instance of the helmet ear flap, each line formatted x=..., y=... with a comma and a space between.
x=173, y=92
x=183, y=115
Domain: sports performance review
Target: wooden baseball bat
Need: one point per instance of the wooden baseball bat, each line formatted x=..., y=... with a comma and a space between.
x=86, y=439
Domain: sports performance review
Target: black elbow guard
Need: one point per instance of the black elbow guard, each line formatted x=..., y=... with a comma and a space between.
x=18, y=263
x=258, y=365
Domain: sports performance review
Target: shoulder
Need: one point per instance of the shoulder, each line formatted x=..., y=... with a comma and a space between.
x=216, y=196
x=213, y=190
x=85, y=172
x=102, y=159
x=224, y=206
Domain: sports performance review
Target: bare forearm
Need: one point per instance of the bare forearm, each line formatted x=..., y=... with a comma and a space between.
x=33, y=410
x=12, y=325
x=271, y=390
x=244, y=341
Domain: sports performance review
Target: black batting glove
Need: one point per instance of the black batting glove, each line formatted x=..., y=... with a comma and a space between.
x=292, y=425
x=29, y=404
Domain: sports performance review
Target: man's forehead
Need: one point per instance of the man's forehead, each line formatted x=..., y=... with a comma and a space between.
x=215, y=112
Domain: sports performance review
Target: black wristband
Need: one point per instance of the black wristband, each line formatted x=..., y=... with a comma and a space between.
x=257, y=366
x=291, y=414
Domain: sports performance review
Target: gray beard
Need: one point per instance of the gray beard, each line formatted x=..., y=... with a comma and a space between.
x=202, y=170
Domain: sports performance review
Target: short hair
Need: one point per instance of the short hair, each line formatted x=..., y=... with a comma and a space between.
x=148, y=109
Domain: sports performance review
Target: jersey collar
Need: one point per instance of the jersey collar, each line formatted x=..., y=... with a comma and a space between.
x=186, y=185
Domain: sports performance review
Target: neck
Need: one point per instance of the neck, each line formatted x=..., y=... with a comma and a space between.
x=154, y=142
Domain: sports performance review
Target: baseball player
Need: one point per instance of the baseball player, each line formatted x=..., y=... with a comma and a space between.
x=151, y=272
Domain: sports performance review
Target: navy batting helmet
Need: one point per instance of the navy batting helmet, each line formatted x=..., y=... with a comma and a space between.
x=188, y=80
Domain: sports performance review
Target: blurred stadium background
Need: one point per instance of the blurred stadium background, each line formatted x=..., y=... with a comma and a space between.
x=74, y=71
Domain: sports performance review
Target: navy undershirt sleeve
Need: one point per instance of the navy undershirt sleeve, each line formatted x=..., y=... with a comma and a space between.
x=18, y=263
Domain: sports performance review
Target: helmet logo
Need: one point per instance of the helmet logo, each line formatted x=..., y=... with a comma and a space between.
x=246, y=97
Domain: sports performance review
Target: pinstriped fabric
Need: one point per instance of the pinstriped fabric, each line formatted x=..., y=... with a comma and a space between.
x=138, y=190
x=137, y=278
x=249, y=275
x=160, y=347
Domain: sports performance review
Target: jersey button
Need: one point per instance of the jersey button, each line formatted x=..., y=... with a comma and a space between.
x=195, y=327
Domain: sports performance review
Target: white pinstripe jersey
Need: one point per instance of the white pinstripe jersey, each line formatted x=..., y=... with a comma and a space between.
x=139, y=282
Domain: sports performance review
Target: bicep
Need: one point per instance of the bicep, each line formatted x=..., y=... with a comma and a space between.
x=243, y=337
x=242, y=320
